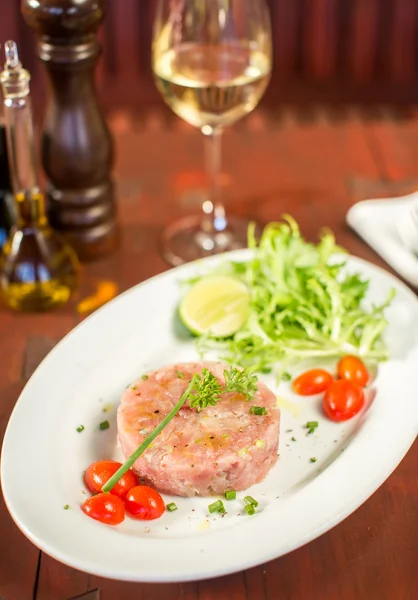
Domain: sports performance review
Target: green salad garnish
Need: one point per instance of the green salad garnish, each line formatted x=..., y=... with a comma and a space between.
x=304, y=304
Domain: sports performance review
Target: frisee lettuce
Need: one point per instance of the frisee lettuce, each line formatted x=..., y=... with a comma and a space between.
x=303, y=304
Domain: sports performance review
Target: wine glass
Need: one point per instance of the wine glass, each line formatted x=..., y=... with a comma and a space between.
x=212, y=62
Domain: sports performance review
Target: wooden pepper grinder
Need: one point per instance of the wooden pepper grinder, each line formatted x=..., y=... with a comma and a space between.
x=77, y=150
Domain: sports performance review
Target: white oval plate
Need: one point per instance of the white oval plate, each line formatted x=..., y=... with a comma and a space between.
x=81, y=381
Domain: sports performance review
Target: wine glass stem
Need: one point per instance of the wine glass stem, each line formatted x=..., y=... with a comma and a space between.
x=214, y=220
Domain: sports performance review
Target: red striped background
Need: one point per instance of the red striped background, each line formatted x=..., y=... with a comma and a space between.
x=324, y=50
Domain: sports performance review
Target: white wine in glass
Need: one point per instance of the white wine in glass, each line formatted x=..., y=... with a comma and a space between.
x=212, y=65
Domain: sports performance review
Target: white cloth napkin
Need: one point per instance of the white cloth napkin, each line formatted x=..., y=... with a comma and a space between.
x=387, y=226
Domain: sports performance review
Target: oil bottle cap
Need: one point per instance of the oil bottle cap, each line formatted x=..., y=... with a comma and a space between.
x=14, y=78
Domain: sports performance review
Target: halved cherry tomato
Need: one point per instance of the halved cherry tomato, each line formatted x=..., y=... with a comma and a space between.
x=105, y=508
x=353, y=369
x=143, y=502
x=312, y=382
x=101, y=471
x=342, y=400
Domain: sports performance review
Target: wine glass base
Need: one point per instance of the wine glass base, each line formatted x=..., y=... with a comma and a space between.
x=184, y=240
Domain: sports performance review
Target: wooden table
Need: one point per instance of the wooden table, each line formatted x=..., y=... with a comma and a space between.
x=313, y=165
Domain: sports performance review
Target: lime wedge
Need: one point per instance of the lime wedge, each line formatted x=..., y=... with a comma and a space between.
x=217, y=305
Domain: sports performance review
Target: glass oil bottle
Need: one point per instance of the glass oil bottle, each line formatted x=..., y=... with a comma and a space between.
x=7, y=214
x=38, y=268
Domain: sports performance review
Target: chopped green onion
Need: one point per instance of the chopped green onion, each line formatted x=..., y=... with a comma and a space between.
x=230, y=495
x=249, y=509
x=258, y=410
x=311, y=426
x=266, y=370
x=144, y=377
x=171, y=507
x=104, y=425
x=66, y=507
x=293, y=439
x=250, y=500
x=133, y=387
x=217, y=506
x=286, y=376
x=180, y=375
x=313, y=459
x=80, y=428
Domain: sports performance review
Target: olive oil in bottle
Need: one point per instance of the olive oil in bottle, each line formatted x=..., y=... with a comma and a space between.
x=38, y=268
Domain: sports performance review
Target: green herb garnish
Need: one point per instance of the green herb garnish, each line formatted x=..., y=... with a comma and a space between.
x=80, y=428
x=171, y=507
x=144, y=377
x=286, y=376
x=293, y=439
x=241, y=381
x=205, y=391
x=311, y=426
x=202, y=391
x=258, y=410
x=104, y=425
x=249, y=509
x=230, y=495
x=217, y=506
x=250, y=500
x=303, y=303
x=180, y=375
x=66, y=507
x=312, y=459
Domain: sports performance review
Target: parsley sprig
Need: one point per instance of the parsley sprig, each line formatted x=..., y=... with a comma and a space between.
x=203, y=390
x=243, y=382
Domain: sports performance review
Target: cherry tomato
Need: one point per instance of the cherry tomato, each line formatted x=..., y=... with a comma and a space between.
x=101, y=471
x=312, y=382
x=353, y=369
x=143, y=502
x=105, y=508
x=342, y=400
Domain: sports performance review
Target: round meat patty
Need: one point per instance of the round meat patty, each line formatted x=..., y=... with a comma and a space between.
x=220, y=448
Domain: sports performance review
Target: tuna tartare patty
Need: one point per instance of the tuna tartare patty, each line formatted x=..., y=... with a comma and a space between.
x=221, y=448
